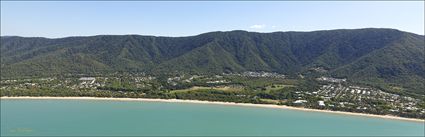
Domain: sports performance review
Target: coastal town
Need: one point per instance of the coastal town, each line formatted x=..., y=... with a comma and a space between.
x=327, y=93
x=136, y=68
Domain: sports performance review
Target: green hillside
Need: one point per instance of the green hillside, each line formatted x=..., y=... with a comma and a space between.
x=386, y=58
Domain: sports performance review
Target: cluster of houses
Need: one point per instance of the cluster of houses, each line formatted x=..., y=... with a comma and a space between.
x=88, y=82
x=362, y=96
x=330, y=79
x=258, y=74
x=183, y=78
x=26, y=83
x=217, y=81
x=339, y=96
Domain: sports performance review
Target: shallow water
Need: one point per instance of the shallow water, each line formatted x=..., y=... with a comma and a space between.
x=95, y=117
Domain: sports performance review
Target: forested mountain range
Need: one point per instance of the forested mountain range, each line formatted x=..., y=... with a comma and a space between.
x=371, y=56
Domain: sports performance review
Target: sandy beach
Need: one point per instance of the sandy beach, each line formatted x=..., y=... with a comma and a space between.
x=223, y=103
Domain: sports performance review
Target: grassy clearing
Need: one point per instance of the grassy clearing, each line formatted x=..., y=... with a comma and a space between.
x=222, y=88
x=277, y=87
x=271, y=101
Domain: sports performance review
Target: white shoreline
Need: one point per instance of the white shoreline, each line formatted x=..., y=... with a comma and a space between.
x=223, y=103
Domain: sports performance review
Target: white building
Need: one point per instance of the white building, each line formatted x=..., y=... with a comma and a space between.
x=90, y=79
x=300, y=101
x=321, y=103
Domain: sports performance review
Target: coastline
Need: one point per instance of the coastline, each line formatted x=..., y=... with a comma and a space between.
x=223, y=103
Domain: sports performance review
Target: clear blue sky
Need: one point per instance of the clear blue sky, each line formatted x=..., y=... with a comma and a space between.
x=72, y=18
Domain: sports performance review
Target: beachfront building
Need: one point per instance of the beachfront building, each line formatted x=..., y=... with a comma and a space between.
x=321, y=103
x=300, y=101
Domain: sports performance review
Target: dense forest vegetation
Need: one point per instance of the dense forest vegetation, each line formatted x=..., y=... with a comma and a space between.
x=386, y=58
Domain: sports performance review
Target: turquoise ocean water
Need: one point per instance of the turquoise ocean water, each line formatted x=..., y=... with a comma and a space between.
x=130, y=118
